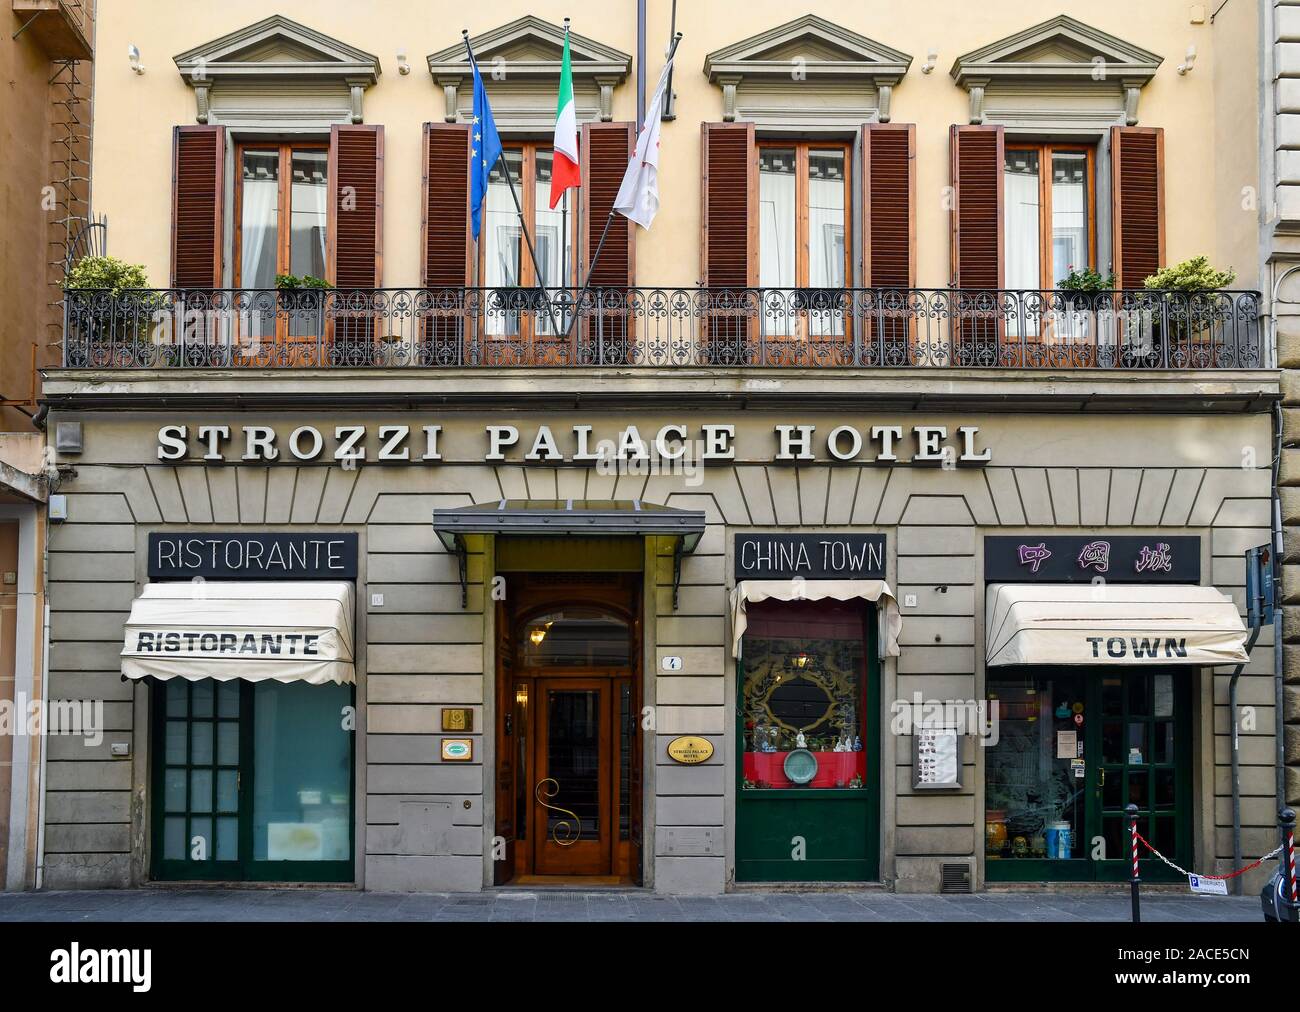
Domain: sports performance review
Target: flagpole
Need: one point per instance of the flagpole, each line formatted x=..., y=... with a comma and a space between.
x=519, y=211
x=591, y=268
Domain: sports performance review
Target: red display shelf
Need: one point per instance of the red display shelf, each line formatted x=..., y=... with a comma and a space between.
x=834, y=769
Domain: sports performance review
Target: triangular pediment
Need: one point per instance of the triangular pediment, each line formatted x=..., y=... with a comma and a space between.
x=530, y=46
x=821, y=47
x=273, y=46
x=1063, y=45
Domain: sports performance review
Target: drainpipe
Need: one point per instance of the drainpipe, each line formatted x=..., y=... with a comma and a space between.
x=45, y=703
x=1236, y=765
x=640, y=64
x=1279, y=698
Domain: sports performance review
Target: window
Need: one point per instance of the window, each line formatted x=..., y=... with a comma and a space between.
x=804, y=696
x=803, y=234
x=505, y=259
x=575, y=636
x=281, y=214
x=1048, y=215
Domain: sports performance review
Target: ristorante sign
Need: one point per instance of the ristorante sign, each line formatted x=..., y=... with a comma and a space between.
x=933, y=445
x=271, y=556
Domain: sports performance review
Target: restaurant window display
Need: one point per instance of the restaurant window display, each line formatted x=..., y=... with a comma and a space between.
x=807, y=704
x=1076, y=746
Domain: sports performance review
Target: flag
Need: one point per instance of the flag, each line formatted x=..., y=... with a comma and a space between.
x=484, y=148
x=564, y=169
x=638, y=196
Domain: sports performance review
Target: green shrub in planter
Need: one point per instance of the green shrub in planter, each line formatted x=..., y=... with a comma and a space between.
x=105, y=273
x=1194, y=275
x=119, y=306
x=1086, y=280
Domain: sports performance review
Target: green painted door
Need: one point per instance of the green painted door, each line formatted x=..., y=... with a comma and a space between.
x=808, y=813
x=1131, y=732
x=252, y=782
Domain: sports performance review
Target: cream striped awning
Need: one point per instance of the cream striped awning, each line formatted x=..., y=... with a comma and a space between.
x=1083, y=624
x=256, y=630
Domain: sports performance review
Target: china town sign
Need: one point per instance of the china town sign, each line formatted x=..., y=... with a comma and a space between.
x=934, y=445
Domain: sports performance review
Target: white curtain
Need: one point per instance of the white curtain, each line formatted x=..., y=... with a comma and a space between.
x=1021, y=223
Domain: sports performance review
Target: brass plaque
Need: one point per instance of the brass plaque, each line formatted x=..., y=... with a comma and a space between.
x=457, y=750
x=690, y=749
x=457, y=718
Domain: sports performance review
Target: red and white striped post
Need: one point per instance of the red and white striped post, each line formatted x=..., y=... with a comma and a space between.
x=1135, y=880
x=1286, y=822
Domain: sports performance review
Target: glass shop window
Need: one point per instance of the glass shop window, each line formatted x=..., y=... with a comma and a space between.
x=804, y=695
x=302, y=772
x=1035, y=797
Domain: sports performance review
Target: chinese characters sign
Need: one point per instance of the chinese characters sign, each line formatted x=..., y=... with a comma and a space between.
x=1127, y=558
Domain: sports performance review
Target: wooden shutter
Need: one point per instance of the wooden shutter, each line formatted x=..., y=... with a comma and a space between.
x=354, y=228
x=888, y=234
x=977, y=167
x=356, y=209
x=978, y=163
x=446, y=246
x=1137, y=158
x=606, y=150
x=198, y=183
x=729, y=245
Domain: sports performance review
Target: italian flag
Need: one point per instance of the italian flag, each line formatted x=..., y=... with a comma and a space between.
x=565, y=172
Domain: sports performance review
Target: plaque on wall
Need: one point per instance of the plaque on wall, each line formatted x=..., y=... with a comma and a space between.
x=936, y=758
x=1124, y=558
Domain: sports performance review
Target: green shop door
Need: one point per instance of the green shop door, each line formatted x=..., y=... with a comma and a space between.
x=252, y=781
x=1075, y=747
x=807, y=720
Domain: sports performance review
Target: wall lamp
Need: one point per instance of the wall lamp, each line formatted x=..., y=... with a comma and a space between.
x=403, y=67
x=931, y=59
x=1189, y=61
x=133, y=55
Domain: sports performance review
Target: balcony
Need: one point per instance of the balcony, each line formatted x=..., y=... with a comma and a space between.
x=62, y=28
x=657, y=328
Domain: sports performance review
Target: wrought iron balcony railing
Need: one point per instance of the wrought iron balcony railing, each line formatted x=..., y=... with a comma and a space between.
x=663, y=327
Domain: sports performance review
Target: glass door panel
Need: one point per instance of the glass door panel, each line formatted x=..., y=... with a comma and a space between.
x=572, y=789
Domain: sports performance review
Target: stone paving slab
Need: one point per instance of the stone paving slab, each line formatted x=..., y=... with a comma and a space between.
x=632, y=906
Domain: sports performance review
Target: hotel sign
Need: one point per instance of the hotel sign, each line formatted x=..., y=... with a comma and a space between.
x=1125, y=558
x=829, y=556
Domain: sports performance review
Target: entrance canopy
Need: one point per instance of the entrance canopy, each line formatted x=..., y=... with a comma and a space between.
x=568, y=518
x=258, y=631
x=1073, y=624
x=746, y=591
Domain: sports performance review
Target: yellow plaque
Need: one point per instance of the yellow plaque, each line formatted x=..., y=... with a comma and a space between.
x=457, y=750
x=457, y=719
x=690, y=749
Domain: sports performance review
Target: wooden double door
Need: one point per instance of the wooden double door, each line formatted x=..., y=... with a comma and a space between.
x=568, y=769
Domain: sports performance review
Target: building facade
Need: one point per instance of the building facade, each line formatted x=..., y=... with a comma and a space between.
x=45, y=58
x=850, y=548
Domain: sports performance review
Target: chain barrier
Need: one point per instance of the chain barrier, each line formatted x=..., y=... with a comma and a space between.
x=1183, y=871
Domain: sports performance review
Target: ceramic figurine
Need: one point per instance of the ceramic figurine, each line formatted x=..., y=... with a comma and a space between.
x=800, y=741
x=857, y=743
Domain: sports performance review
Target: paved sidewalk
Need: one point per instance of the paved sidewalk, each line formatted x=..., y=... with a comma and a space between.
x=629, y=906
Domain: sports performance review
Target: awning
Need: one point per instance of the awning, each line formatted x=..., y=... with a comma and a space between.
x=746, y=591
x=1077, y=624
x=286, y=632
x=568, y=518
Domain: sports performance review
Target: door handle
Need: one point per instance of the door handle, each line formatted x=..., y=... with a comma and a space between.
x=570, y=826
x=1101, y=777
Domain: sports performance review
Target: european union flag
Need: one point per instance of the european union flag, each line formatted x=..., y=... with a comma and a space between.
x=484, y=148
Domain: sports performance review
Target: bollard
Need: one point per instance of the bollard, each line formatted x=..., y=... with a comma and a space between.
x=1134, y=882
x=1290, y=907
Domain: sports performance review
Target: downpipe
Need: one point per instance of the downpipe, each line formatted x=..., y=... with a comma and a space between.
x=1236, y=765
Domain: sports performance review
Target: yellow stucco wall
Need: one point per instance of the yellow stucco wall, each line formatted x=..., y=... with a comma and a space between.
x=1209, y=115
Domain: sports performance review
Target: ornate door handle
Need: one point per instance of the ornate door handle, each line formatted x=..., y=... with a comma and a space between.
x=569, y=826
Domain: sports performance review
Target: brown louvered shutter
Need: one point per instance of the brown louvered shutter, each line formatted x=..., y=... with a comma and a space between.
x=355, y=232
x=1137, y=202
x=978, y=157
x=446, y=248
x=606, y=149
x=198, y=181
x=729, y=245
x=888, y=235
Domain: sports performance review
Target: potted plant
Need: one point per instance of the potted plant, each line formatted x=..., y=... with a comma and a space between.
x=109, y=303
x=1089, y=311
x=1184, y=307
